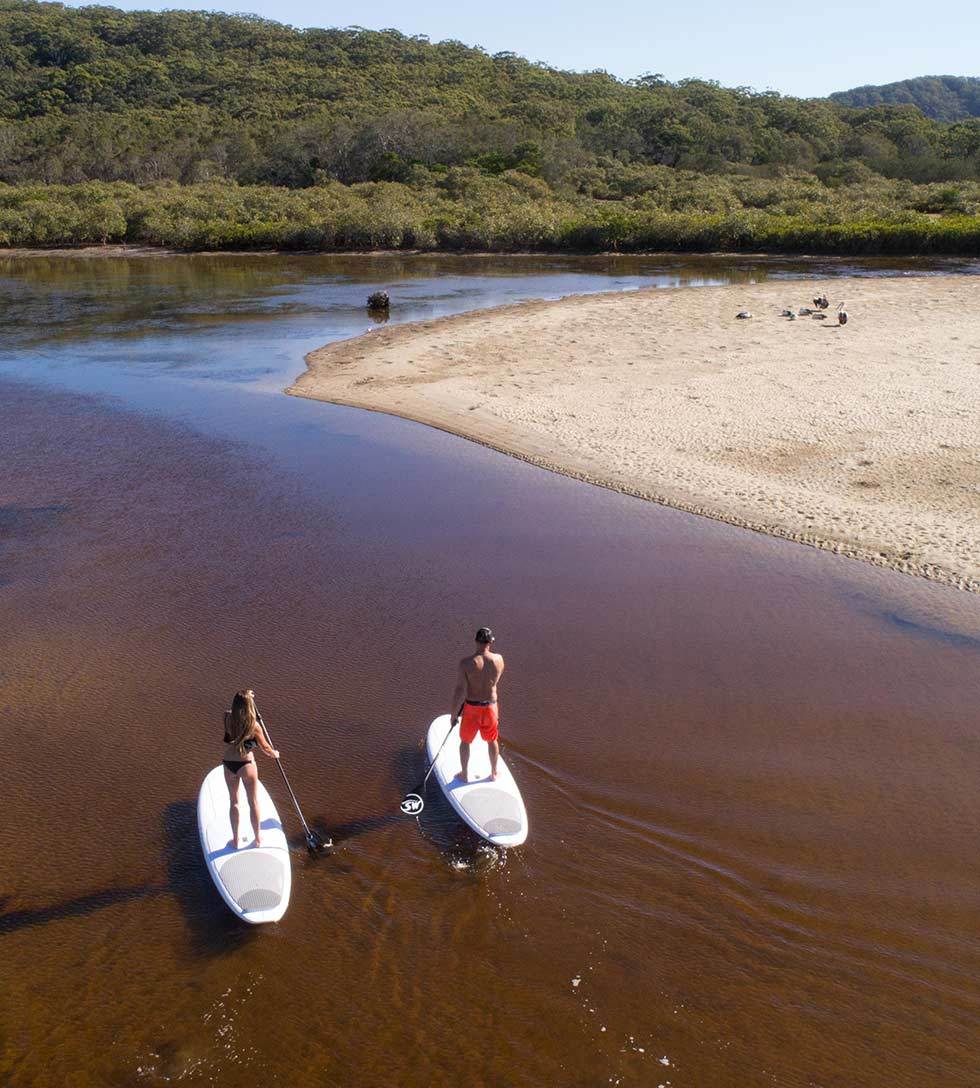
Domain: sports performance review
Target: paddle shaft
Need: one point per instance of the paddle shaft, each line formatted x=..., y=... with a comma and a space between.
x=310, y=837
x=452, y=723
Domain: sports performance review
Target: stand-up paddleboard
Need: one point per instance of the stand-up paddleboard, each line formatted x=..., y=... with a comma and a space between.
x=493, y=809
x=253, y=880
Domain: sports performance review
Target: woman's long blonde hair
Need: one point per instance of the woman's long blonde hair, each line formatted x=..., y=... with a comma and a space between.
x=242, y=723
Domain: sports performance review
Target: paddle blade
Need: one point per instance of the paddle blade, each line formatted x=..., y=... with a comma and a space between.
x=412, y=805
x=315, y=843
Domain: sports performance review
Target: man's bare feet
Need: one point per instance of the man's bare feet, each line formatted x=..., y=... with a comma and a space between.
x=460, y=777
x=232, y=844
x=493, y=776
x=258, y=840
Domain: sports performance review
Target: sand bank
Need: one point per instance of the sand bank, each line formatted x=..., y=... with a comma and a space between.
x=110, y=250
x=863, y=439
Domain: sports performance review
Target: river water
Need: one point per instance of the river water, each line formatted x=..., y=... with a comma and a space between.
x=750, y=767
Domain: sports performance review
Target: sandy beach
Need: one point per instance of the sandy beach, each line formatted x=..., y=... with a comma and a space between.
x=862, y=439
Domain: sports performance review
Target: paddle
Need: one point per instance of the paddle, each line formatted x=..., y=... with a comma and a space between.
x=313, y=841
x=412, y=804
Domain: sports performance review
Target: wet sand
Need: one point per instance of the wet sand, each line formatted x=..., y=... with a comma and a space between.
x=862, y=439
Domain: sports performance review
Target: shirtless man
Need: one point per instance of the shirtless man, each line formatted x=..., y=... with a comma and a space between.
x=476, y=688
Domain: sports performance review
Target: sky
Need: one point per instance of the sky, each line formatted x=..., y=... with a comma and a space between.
x=808, y=49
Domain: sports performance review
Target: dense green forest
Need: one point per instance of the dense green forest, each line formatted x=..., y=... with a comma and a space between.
x=943, y=98
x=205, y=131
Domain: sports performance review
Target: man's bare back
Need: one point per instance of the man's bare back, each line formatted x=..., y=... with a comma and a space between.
x=481, y=672
x=477, y=678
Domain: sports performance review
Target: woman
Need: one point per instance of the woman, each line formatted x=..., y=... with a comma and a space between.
x=242, y=734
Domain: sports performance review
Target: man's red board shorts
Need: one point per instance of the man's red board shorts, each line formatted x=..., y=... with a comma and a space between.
x=482, y=719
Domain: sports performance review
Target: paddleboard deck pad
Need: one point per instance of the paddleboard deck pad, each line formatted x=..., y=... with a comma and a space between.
x=254, y=881
x=494, y=809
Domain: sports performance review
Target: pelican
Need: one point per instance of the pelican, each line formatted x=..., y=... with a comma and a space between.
x=822, y=302
x=841, y=314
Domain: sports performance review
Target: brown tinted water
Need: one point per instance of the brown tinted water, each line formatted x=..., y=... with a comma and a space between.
x=750, y=767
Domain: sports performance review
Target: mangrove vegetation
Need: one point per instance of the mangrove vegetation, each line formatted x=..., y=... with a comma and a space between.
x=208, y=131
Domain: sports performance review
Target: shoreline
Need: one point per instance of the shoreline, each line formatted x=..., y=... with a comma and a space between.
x=437, y=373
x=140, y=249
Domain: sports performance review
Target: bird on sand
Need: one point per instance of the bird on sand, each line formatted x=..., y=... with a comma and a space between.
x=841, y=314
x=743, y=314
x=821, y=302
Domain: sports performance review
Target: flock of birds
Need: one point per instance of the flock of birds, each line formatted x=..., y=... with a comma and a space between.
x=820, y=303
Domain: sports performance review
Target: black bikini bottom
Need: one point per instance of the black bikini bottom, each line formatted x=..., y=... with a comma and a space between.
x=233, y=766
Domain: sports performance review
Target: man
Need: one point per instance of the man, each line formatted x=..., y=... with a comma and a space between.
x=476, y=688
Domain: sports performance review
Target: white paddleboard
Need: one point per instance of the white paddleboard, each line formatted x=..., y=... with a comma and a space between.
x=253, y=880
x=494, y=809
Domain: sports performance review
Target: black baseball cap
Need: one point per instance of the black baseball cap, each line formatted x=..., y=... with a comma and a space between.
x=484, y=635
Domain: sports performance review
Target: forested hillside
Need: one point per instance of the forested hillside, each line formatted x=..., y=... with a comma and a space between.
x=213, y=130
x=943, y=98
